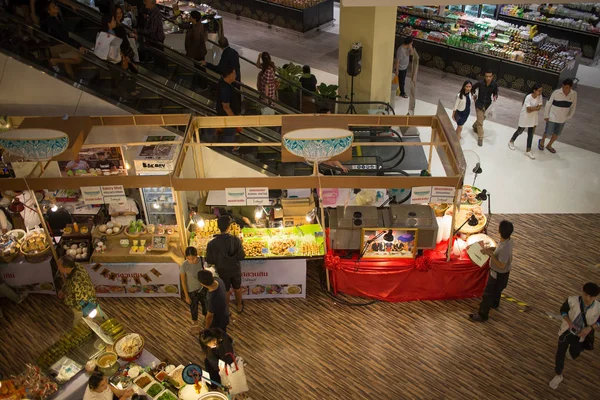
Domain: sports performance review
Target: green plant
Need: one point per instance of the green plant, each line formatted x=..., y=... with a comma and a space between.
x=328, y=91
x=289, y=73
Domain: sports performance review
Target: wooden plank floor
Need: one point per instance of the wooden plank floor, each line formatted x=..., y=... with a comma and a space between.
x=319, y=349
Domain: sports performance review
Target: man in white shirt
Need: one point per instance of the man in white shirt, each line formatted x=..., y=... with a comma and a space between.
x=123, y=213
x=559, y=109
x=29, y=215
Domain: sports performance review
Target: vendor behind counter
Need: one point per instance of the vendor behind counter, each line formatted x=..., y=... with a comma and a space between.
x=243, y=216
x=124, y=213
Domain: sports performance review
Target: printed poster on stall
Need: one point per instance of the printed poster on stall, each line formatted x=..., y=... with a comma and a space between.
x=30, y=277
x=135, y=279
x=268, y=279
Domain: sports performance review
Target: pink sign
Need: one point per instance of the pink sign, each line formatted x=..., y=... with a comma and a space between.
x=330, y=196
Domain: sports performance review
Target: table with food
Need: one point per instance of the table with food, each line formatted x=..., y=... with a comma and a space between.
x=62, y=371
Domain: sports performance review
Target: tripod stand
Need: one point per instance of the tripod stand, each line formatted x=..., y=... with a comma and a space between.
x=351, y=108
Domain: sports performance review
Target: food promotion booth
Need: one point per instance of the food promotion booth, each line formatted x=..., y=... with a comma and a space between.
x=388, y=237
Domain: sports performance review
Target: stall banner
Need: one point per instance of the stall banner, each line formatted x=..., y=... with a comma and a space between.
x=420, y=195
x=30, y=277
x=271, y=278
x=92, y=195
x=442, y=194
x=135, y=279
x=235, y=196
x=103, y=194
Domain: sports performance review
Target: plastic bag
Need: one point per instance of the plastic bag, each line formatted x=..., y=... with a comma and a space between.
x=108, y=47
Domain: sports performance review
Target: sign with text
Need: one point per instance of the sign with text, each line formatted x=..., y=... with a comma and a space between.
x=235, y=196
x=257, y=193
x=135, y=279
x=29, y=277
x=442, y=194
x=420, y=195
x=92, y=195
x=258, y=202
x=265, y=279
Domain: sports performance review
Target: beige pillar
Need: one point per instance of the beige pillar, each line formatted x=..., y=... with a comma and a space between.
x=375, y=28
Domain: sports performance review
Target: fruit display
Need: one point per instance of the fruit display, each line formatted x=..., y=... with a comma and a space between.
x=67, y=341
x=135, y=228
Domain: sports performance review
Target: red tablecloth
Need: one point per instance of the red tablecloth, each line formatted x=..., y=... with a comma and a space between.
x=429, y=277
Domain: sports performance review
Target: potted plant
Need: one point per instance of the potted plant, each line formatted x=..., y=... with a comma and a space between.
x=328, y=97
x=289, y=84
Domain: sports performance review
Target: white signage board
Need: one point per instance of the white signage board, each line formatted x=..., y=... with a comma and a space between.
x=257, y=193
x=442, y=194
x=235, y=196
x=274, y=278
x=92, y=195
x=135, y=279
x=420, y=195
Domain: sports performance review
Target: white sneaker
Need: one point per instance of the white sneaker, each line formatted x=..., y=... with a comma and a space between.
x=511, y=145
x=556, y=381
x=530, y=155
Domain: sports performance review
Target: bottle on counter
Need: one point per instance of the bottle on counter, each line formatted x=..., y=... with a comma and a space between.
x=75, y=227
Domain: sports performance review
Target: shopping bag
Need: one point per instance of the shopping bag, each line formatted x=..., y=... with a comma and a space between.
x=108, y=47
x=491, y=111
x=234, y=377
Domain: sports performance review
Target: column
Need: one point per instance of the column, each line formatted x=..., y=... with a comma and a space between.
x=375, y=28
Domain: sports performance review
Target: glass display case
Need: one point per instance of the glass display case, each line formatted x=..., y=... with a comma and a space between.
x=488, y=10
x=159, y=206
x=472, y=10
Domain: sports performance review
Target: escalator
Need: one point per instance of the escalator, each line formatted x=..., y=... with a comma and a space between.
x=158, y=95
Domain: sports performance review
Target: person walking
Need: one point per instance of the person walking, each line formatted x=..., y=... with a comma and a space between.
x=225, y=252
x=217, y=303
x=402, y=60
x=78, y=286
x=500, y=267
x=484, y=92
x=267, y=82
x=462, y=107
x=193, y=291
x=217, y=346
x=529, y=118
x=559, y=109
x=580, y=319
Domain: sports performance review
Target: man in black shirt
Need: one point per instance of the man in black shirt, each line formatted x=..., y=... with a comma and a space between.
x=483, y=92
x=227, y=101
x=225, y=252
x=229, y=59
x=104, y=164
x=217, y=304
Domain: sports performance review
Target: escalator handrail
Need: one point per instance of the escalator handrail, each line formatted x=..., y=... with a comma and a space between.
x=181, y=59
x=165, y=91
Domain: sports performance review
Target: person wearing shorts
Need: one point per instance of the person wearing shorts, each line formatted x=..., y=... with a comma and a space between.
x=462, y=107
x=225, y=252
x=559, y=109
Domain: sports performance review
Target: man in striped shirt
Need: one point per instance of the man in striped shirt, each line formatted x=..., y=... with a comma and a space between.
x=559, y=109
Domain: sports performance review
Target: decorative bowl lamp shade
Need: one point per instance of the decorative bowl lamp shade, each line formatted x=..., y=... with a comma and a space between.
x=318, y=144
x=34, y=144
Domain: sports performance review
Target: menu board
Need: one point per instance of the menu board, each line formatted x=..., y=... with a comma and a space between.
x=265, y=279
x=389, y=243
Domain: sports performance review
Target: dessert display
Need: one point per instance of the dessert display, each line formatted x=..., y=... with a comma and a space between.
x=129, y=346
x=68, y=340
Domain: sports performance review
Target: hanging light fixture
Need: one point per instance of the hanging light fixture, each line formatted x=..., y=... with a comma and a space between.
x=311, y=215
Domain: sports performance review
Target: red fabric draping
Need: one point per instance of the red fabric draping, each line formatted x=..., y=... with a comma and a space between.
x=403, y=280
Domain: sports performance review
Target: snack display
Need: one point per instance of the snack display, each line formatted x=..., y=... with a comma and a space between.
x=34, y=242
x=135, y=228
x=143, y=381
x=36, y=383
x=129, y=346
x=469, y=195
x=282, y=247
x=177, y=377
x=9, y=247
x=255, y=247
x=68, y=340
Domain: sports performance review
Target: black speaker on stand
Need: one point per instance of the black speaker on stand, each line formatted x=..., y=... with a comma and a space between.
x=353, y=67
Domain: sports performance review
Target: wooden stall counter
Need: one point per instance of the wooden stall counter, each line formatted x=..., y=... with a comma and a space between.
x=115, y=253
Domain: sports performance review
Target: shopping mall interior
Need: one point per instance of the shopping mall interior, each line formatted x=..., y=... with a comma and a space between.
x=356, y=329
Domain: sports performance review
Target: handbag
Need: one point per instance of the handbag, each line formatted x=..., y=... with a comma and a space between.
x=588, y=342
x=234, y=377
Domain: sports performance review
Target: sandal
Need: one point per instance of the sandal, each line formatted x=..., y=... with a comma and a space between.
x=242, y=309
x=551, y=150
x=540, y=146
